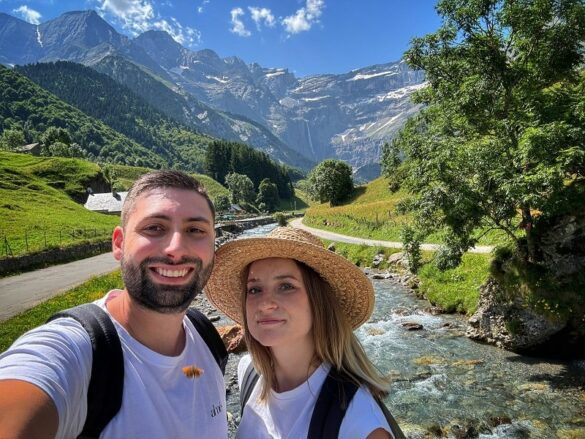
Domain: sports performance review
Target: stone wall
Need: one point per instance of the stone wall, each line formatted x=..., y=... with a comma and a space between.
x=53, y=256
x=59, y=255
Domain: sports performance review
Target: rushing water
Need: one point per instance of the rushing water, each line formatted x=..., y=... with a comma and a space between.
x=446, y=384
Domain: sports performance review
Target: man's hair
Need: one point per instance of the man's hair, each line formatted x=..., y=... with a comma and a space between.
x=160, y=180
x=333, y=337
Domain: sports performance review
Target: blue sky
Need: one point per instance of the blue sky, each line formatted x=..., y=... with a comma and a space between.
x=305, y=36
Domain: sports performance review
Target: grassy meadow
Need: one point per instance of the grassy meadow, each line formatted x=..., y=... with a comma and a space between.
x=370, y=213
x=41, y=201
x=455, y=290
x=37, y=209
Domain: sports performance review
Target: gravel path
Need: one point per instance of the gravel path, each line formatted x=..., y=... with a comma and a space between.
x=298, y=222
x=21, y=292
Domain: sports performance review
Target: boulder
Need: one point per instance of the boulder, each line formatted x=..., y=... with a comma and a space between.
x=562, y=245
x=509, y=324
x=233, y=338
x=412, y=326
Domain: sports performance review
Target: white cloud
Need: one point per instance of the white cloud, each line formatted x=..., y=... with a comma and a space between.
x=202, y=7
x=183, y=35
x=138, y=16
x=260, y=15
x=135, y=15
x=304, y=18
x=28, y=14
x=238, y=25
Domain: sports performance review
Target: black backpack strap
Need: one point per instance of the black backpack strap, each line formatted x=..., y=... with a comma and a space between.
x=106, y=384
x=396, y=431
x=248, y=382
x=211, y=337
x=334, y=398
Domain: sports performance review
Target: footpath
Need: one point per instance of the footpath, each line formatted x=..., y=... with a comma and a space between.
x=298, y=222
x=21, y=292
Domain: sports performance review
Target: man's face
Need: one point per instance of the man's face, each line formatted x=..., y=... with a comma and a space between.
x=166, y=249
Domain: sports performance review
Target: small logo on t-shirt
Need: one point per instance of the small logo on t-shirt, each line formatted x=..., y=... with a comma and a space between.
x=215, y=410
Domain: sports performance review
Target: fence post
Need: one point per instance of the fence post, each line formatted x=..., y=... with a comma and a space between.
x=7, y=247
x=45, y=235
x=26, y=239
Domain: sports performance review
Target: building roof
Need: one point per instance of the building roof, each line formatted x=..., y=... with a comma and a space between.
x=106, y=202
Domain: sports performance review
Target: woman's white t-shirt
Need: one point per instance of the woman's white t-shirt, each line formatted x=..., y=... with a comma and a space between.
x=288, y=414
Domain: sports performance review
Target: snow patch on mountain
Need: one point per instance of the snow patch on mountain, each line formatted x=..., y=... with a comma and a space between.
x=373, y=75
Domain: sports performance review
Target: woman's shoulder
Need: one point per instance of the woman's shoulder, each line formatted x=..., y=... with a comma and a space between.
x=363, y=416
x=245, y=361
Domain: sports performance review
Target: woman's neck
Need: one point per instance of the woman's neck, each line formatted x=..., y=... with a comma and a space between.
x=293, y=367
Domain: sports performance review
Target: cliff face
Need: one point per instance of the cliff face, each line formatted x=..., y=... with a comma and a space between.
x=299, y=121
x=548, y=319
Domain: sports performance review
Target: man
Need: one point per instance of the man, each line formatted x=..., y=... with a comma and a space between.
x=165, y=245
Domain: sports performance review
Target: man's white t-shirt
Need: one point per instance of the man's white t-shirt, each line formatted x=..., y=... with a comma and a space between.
x=158, y=401
x=288, y=414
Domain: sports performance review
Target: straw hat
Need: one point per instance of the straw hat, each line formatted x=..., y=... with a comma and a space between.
x=351, y=286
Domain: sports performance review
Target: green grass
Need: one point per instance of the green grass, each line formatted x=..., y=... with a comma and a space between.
x=126, y=175
x=362, y=255
x=36, y=208
x=41, y=200
x=457, y=289
x=89, y=291
x=299, y=203
x=371, y=213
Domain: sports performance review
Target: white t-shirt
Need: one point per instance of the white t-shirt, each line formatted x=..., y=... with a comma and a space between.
x=288, y=414
x=159, y=401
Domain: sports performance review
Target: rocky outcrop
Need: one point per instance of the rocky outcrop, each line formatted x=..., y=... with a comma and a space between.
x=562, y=245
x=509, y=324
x=233, y=338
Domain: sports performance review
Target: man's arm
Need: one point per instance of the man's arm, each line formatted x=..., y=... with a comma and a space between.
x=26, y=411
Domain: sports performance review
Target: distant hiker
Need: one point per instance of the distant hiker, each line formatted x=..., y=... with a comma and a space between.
x=299, y=304
x=165, y=365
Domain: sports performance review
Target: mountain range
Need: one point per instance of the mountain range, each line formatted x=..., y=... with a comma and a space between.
x=299, y=121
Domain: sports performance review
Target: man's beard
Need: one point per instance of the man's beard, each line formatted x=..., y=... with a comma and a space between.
x=166, y=299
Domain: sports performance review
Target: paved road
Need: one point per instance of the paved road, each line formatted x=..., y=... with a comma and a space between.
x=21, y=292
x=298, y=222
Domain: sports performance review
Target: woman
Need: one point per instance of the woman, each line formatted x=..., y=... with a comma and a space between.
x=299, y=304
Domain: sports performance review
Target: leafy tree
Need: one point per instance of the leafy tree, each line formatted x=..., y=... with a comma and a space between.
x=11, y=139
x=267, y=195
x=501, y=140
x=222, y=203
x=330, y=181
x=241, y=187
x=55, y=134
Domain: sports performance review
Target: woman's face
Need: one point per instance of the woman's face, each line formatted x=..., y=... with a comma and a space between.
x=278, y=311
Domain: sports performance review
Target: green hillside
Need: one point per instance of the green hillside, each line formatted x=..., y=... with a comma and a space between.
x=101, y=97
x=125, y=176
x=41, y=200
x=371, y=213
x=26, y=107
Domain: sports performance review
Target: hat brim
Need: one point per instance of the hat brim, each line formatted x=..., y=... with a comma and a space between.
x=351, y=286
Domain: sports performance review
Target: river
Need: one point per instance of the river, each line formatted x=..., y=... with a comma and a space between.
x=446, y=385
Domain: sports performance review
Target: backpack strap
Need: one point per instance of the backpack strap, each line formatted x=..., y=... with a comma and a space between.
x=210, y=336
x=396, y=431
x=248, y=382
x=334, y=398
x=106, y=384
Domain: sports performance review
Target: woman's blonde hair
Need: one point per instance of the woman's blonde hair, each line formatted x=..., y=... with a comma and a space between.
x=334, y=340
